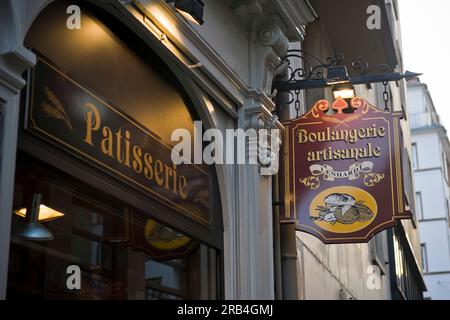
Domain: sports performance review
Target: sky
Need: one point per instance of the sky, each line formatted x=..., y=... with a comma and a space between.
x=425, y=28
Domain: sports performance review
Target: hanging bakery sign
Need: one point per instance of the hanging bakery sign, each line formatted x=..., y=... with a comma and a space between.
x=343, y=171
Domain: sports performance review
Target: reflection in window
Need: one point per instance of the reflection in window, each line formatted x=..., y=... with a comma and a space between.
x=119, y=252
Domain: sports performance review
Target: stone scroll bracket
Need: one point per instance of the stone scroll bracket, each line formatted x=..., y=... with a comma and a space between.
x=258, y=117
x=271, y=25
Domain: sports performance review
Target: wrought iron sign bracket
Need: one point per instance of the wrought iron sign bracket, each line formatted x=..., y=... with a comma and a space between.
x=283, y=86
x=306, y=71
x=310, y=72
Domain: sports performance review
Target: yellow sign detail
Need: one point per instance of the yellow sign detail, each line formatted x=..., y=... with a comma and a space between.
x=343, y=209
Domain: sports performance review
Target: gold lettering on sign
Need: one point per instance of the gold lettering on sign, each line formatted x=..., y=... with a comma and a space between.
x=119, y=146
x=346, y=135
x=92, y=121
x=350, y=136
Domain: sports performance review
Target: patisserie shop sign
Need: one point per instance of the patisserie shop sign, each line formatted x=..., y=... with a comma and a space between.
x=83, y=124
x=343, y=168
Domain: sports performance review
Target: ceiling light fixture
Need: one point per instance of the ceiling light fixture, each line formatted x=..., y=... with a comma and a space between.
x=45, y=213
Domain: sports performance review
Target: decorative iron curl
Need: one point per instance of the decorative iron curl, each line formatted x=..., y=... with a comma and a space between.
x=360, y=64
x=291, y=97
x=380, y=68
x=309, y=67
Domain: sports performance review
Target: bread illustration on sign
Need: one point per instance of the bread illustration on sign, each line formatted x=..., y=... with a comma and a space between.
x=343, y=208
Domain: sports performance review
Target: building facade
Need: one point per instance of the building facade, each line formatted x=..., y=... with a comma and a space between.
x=143, y=66
x=87, y=114
x=430, y=162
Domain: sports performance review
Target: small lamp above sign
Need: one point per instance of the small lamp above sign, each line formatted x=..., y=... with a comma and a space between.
x=192, y=10
x=344, y=91
x=338, y=78
x=337, y=75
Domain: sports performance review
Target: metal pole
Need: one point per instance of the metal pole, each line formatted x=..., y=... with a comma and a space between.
x=287, y=238
x=282, y=86
x=276, y=238
x=289, y=262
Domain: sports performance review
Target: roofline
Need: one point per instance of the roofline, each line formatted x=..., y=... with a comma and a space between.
x=411, y=84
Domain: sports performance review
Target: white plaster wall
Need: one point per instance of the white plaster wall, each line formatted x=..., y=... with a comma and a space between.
x=429, y=150
x=430, y=184
x=226, y=36
x=435, y=235
x=438, y=286
x=416, y=99
x=337, y=272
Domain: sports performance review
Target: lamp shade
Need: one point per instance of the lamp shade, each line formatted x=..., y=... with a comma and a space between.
x=45, y=213
x=33, y=231
x=337, y=74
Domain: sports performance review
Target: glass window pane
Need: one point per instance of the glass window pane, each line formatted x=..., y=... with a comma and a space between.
x=122, y=253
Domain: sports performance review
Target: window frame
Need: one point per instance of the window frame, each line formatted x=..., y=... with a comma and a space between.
x=419, y=206
x=424, y=256
x=415, y=156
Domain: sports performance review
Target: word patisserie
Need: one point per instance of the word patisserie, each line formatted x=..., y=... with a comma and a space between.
x=119, y=146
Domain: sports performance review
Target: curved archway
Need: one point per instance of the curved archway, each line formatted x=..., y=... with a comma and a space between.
x=121, y=72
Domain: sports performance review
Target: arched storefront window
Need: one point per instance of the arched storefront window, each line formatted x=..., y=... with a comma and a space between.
x=94, y=168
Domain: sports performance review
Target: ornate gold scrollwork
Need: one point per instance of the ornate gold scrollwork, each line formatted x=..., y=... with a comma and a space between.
x=360, y=104
x=322, y=106
x=370, y=179
x=312, y=182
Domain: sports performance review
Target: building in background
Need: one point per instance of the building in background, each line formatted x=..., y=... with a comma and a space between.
x=431, y=163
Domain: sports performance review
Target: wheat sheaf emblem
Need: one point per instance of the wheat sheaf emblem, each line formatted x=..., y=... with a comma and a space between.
x=342, y=122
x=54, y=108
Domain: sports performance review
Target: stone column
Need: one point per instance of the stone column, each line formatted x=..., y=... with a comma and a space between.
x=14, y=60
x=254, y=190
